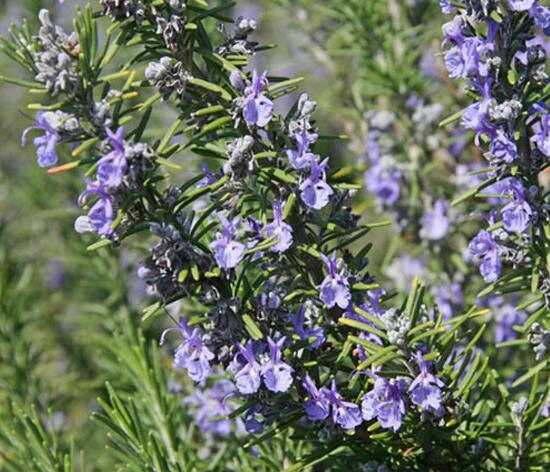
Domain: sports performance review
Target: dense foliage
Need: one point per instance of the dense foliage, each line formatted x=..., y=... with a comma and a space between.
x=378, y=297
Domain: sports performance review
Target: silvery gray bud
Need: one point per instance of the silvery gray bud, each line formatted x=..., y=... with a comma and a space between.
x=244, y=26
x=240, y=46
x=240, y=146
x=56, y=69
x=539, y=339
x=171, y=30
x=102, y=113
x=155, y=70
x=71, y=124
x=177, y=5
x=168, y=76
x=306, y=106
x=121, y=9
x=519, y=407
x=507, y=110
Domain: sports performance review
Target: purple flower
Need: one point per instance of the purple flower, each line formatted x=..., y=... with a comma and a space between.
x=506, y=317
x=315, y=191
x=112, y=167
x=314, y=334
x=476, y=116
x=101, y=215
x=45, y=144
x=472, y=51
x=373, y=147
x=503, y=149
x=505, y=190
x=191, y=354
x=541, y=136
x=383, y=182
x=212, y=405
x=455, y=62
x=302, y=157
x=253, y=421
x=247, y=377
x=517, y=214
x=334, y=290
x=346, y=414
x=453, y=30
x=449, y=299
x=236, y=80
x=482, y=244
x=373, y=302
x=490, y=267
x=278, y=228
x=404, y=269
x=277, y=374
x=208, y=179
x=257, y=108
x=446, y=7
x=228, y=252
x=541, y=17
x=435, y=223
x=521, y=5
x=317, y=407
x=385, y=402
x=485, y=250
x=429, y=65
x=425, y=390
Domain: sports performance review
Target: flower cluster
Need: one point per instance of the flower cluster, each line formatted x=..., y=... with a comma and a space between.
x=449, y=299
x=509, y=120
x=334, y=289
x=212, y=405
x=55, y=59
x=56, y=127
x=382, y=179
x=258, y=242
x=505, y=316
x=386, y=402
x=265, y=233
x=119, y=171
x=325, y=402
x=168, y=76
x=192, y=353
x=276, y=374
x=123, y=9
x=228, y=252
x=391, y=180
